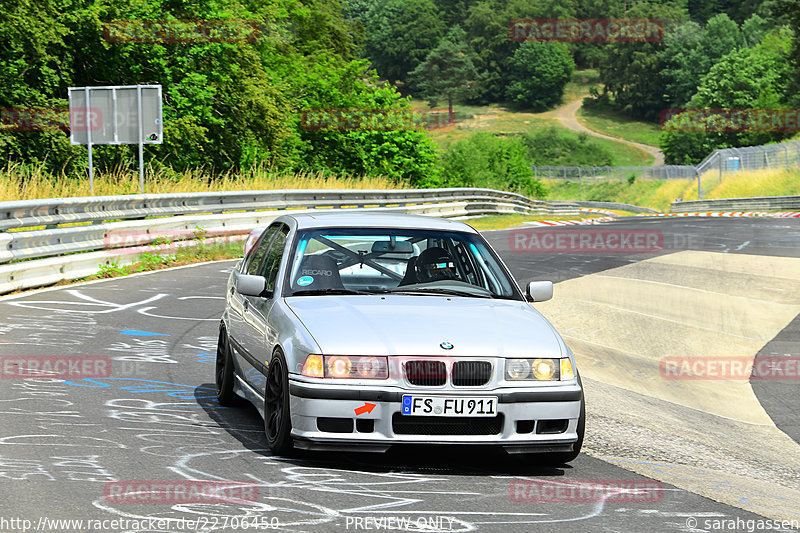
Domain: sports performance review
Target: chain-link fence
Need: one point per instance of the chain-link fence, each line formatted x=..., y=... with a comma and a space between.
x=614, y=173
x=708, y=173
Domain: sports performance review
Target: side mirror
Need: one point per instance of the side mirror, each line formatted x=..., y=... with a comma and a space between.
x=249, y=285
x=539, y=291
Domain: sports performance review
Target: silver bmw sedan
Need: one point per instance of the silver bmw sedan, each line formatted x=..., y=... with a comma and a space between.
x=361, y=331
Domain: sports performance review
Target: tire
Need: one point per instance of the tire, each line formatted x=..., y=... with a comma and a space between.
x=277, y=418
x=224, y=370
x=560, y=458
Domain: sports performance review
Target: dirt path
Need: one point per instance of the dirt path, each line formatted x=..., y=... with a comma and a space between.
x=567, y=114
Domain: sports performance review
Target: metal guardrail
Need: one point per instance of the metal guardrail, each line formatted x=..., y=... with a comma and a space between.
x=615, y=205
x=119, y=228
x=763, y=203
x=29, y=213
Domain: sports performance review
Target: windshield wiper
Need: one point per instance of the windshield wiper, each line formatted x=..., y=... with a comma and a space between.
x=449, y=292
x=309, y=292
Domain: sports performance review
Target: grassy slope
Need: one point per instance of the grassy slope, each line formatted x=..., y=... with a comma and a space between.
x=499, y=119
x=618, y=125
x=659, y=194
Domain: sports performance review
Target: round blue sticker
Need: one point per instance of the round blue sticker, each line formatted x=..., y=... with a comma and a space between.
x=305, y=280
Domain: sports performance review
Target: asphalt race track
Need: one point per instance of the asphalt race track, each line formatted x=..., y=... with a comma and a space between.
x=724, y=455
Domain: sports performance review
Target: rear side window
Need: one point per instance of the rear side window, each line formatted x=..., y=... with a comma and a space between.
x=272, y=262
x=255, y=261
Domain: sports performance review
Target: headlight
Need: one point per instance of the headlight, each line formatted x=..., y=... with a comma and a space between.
x=539, y=369
x=346, y=367
x=518, y=369
x=544, y=369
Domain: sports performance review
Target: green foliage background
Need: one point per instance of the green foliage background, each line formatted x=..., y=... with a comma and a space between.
x=234, y=106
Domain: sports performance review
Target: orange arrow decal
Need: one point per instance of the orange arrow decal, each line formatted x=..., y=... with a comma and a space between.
x=366, y=408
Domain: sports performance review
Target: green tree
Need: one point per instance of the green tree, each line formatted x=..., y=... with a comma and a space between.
x=789, y=11
x=447, y=71
x=486, y=25
x=399, y=34
x=749, y=78
x=538, y=73
x=690, y=51
x=630, y=70
x=227, y=105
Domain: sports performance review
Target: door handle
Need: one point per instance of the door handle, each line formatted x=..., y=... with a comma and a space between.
x=246, y=305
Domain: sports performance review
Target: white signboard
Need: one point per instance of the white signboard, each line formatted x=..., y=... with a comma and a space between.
x=125, y=114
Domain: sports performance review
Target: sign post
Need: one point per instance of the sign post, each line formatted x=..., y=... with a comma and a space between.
x=122, y=114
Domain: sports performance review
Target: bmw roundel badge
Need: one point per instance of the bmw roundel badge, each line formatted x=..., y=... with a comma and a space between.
x=446, y=345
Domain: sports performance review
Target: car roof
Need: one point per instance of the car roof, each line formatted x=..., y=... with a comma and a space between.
x=376, y=220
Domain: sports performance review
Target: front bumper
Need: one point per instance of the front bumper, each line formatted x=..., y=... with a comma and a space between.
x=529, y=419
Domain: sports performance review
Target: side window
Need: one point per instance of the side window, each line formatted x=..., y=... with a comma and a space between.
x=256, y=258
x=273, y=259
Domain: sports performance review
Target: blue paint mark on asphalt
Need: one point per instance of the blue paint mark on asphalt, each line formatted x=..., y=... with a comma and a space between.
x=173, y=390
x=206, y=357
x=143, y=333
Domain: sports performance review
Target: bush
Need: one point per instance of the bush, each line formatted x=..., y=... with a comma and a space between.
x=486, y=160
x=553, y=147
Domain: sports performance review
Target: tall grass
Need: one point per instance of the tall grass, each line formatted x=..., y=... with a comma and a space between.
x=753, y=183
x=18, y=182
x=659, y=194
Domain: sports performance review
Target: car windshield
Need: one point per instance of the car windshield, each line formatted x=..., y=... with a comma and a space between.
x=420, y=262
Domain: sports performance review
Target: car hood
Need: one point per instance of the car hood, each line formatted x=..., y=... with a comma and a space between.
x=418, y=325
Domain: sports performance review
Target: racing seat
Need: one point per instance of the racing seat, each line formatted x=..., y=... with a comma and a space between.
x=317, y=272
x=433, y=264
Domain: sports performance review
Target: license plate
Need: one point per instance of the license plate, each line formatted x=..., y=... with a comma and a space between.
x=449, y=405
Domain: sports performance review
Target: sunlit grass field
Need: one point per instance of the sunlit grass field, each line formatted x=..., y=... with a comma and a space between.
x=17, y=183
x=617, y=125
x=658, y=194
x=501, y=120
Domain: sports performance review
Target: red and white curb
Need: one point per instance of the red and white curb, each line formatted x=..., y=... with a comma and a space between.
x=582, y=222
x=600, y=211
x=614, y=216
x=788, y=214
